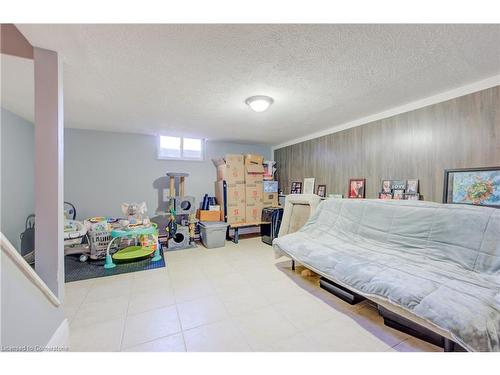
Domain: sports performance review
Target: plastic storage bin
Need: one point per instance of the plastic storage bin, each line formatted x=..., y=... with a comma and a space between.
x=213, y=233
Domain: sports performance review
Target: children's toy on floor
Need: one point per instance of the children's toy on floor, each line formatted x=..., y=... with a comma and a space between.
x=136, y=227
x=134, y=213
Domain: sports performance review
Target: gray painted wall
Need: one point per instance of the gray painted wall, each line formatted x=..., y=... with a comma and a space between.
x=17, y=175
x=104, y=169
x=101, y=170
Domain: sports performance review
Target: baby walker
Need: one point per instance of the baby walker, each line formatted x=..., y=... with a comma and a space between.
x=141, y=230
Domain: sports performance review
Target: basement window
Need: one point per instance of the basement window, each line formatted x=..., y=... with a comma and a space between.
x=181, y=148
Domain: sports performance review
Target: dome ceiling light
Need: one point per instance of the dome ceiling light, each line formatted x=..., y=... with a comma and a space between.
x=259, y=103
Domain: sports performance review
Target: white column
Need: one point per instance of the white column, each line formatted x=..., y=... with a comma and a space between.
x=49, y=142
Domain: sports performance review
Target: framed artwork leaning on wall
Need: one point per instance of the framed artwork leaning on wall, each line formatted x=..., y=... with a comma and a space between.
x=386, y=186
x=296, y=188
x=321, y=191
x=309, y=185
x=356, y=188
x=476, y=186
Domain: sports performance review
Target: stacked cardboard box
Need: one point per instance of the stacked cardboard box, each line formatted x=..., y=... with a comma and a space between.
x=231, y=171
x=270, y=200
x=243, y=178
x=254, y=174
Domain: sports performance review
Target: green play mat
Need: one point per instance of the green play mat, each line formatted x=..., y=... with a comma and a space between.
x=132, y=253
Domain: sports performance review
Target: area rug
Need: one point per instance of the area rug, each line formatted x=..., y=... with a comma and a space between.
x=76, y=270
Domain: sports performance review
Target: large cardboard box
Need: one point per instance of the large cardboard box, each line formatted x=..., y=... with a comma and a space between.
x=236, y=213
x=253, y=213
x=230, y=168
x=270, y=200
x=253, y=193
x=254, y=173
x=254, y=159
x=235, y=201
x=254, y=170
x=235, y=193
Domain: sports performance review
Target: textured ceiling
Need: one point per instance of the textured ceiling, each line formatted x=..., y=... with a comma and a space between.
x=193, y=79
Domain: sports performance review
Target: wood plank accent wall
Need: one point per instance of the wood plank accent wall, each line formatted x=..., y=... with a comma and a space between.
x=462, y=132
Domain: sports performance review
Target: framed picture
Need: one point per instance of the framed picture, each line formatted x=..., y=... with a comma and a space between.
x=309, y=185
x=270, y=186
x=476, y=186
x=412, y=187
x=356, y=188
x=386, y=186
x=296, y=188
x=412, y=197
x=398, y=194
x=384, y=195
x=321, y=191
x=398, y=185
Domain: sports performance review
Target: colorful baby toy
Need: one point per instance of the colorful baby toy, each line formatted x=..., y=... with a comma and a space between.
x=138, y=227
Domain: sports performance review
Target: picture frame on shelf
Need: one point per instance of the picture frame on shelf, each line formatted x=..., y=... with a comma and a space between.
x=309, y=185
x=384, y=195
x=321, y=191
x=386, y=186
x=412, y=186
x=473, y=186
x=296, y=187
x=357, y=188
x=398, y=185
x=398, y=194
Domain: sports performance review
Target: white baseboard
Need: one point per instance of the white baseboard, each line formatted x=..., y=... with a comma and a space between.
x=60, y=339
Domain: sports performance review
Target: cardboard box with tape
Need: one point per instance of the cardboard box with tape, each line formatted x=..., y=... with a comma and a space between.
x=230, y=168
x=254, y=170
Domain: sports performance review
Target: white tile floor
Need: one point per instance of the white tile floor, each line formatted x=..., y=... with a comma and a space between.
x=236, y=298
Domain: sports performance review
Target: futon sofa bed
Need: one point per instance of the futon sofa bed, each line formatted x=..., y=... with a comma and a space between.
x=437, y=265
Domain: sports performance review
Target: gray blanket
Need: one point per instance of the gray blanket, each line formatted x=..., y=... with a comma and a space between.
x=438, y=262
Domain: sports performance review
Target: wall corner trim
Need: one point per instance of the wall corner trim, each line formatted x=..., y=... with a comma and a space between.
x=417, y=104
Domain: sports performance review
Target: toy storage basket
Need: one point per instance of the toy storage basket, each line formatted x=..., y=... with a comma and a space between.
x=99, y=236
x=99, y=241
